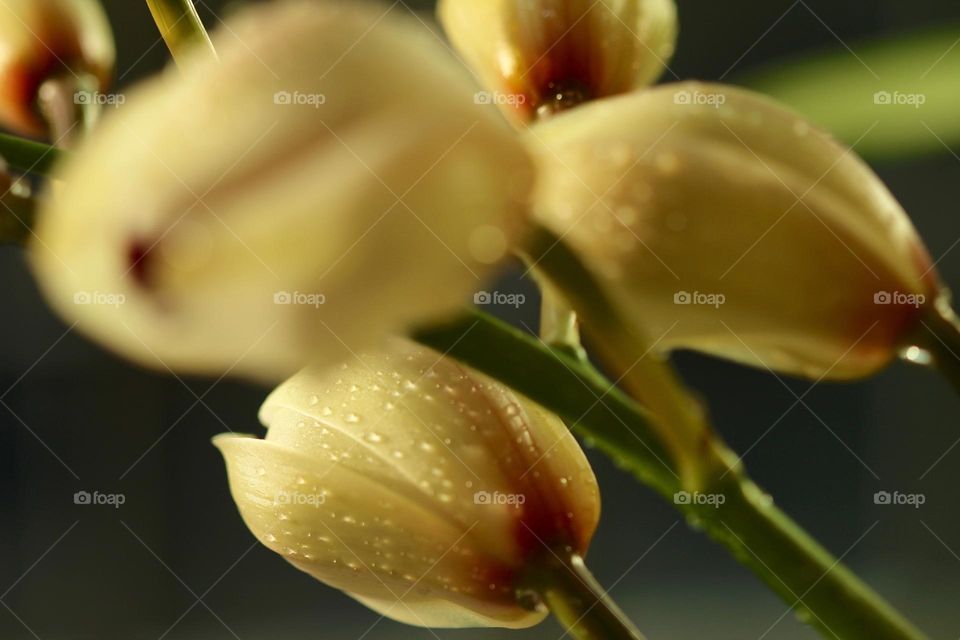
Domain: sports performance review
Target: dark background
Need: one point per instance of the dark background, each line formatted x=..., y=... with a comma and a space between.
x=175, y=561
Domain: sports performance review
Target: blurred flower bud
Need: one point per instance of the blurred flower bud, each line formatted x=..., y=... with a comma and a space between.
x=721, y=222
x=420, y=488
x=545, y=55
x=43, y=39
x=328, y=181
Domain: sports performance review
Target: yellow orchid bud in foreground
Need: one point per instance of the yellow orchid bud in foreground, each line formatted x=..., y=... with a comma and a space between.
x=545, y=55
x=43, y=39
x=717, y=220
x=422, y=489
x=327, y=181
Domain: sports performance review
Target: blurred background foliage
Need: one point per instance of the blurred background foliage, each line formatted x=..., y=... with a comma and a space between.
x=176, y=562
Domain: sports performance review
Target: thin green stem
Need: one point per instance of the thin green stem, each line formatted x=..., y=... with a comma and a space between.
x=180, y=27
x=937, y=341
x=558, y=321
x=565, y=585
x=817, y=587
x=27, y=156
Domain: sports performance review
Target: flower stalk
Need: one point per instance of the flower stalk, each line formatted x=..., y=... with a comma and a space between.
x=180, y=27
x=936, y=343
x=679, y=422
x=564, y=584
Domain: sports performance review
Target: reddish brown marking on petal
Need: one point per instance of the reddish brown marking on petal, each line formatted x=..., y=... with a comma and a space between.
x=138, y=262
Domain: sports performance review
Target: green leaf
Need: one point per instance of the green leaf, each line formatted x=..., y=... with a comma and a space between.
x=890, y=98
x=27, y=156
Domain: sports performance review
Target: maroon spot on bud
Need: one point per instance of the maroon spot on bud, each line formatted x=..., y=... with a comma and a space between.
x=138, y=263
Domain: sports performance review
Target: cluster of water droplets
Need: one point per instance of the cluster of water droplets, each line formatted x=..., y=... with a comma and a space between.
x=430, y=435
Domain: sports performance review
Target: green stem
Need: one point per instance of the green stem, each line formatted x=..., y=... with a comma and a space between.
x=27, y=156
x=180, y=27
x=818, y=588
x=580, y=604
x=758, y=534
x=558, y=321
x=937, y=341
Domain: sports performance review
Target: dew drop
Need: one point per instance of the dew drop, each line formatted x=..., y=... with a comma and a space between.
x=916, y=355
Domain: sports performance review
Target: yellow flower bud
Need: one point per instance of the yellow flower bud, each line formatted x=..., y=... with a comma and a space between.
x=719, y=221
x=418, y=487
x=327, y=181
x=545, y=55
x=41, y=39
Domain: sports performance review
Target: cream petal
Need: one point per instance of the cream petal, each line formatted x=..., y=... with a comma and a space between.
x=445, y=432
x=249, y=229
x=695, y=190
x=524, y=52
x=363, y=537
